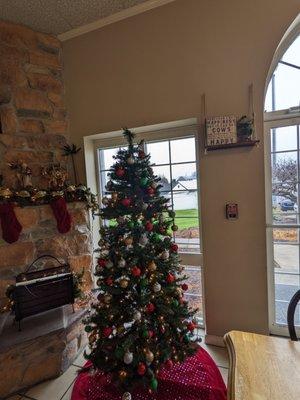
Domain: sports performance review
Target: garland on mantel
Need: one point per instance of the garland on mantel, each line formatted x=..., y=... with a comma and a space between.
x=33, y=196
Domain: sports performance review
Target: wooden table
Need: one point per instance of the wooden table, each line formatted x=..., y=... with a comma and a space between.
x=262, y=367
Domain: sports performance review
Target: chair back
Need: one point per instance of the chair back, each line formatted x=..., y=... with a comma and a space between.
x=291, y=315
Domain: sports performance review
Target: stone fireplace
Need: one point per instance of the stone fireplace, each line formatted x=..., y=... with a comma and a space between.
x=33, y=128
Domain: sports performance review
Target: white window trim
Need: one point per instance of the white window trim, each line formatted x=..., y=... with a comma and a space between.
x=275, y=122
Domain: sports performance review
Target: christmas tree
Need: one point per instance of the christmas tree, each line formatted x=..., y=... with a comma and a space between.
x=141, y=322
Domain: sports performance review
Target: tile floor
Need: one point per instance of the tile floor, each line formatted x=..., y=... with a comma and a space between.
x=61, y=388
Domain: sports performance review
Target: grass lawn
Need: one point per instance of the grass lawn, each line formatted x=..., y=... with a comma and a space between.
x=184, y=219
x=187, y=218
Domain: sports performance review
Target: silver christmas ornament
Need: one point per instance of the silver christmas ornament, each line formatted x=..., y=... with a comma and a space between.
x=165, y=255
x=137, y=315
x=126, y=396
x=128, y=357
x=156, y=287
x=143, y=240
x=122, y=263
x=130, y=160
x=144, y=206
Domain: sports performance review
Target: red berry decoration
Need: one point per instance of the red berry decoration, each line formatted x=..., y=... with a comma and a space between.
x=150, y=307
x=170, y=278
x=126, y=202
x=141, y=368
x=174, y=247
x=169, y=364
x=148, y=226
x=150, y=191
x=101, y=262
x=109, y=281
x=107, y=331
x=136, y=271
x=184, y=287
x=120, y=172
x=191, y=326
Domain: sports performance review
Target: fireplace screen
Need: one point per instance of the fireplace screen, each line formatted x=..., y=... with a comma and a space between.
x=42, y=290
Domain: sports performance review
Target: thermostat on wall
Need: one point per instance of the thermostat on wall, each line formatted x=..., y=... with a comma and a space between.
x=232, y=211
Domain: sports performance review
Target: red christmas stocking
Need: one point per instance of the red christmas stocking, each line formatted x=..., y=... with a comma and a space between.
x=61, y=213
x=11, y=227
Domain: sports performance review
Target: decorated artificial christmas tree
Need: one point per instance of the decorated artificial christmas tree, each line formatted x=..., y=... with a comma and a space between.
x=141, y=322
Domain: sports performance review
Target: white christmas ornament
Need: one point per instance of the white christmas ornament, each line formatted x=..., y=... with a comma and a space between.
x=156, y=287
x=122, y=263
x=128, y=357
x=137, y=316
x=109, y=264
x=126, y=396
x=144, y=206
x=143, y=240
x=130, y=160
x=165, y=255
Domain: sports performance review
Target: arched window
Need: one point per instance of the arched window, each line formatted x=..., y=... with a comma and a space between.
x=282, y=146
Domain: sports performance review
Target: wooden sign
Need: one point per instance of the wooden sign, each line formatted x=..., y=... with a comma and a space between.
x=221, y=130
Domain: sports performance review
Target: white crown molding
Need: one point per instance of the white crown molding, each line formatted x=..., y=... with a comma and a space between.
x=119, y=16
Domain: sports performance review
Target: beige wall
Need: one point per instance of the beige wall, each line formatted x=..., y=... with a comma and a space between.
x=153, y=68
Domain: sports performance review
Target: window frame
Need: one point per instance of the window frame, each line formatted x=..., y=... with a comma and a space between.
x=275, y=119
x=152, y=133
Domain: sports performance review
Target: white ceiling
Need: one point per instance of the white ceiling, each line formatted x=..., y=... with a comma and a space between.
x=60, y=16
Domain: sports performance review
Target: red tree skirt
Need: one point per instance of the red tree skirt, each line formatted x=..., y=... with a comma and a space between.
x=198, y=378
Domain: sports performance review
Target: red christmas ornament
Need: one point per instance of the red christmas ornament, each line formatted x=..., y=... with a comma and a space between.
x=109, y=281
x=126, y=202
x=148, y=226
x=150, y=307
x=150, y=190
x=191, y=326
x=170, y=278
x=169, y=364
x=141, y=368
x=120, y=172
x=101, y=262
x=136, y=271
x=150, y=334
x=184, y=287
x=174, y=247
x=107, y=331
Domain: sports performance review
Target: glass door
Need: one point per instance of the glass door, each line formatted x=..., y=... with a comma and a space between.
x=283, y=224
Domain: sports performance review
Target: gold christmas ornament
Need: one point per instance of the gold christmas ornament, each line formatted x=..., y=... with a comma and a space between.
x=107, y=298
x=152, y=266
x=114, y=196
x=71, y=188
x=149, y=356
x=40, y=194
x=124, y=283
x=128, y=241
x=122, y=374
x=6, y=193
x=23, y=193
